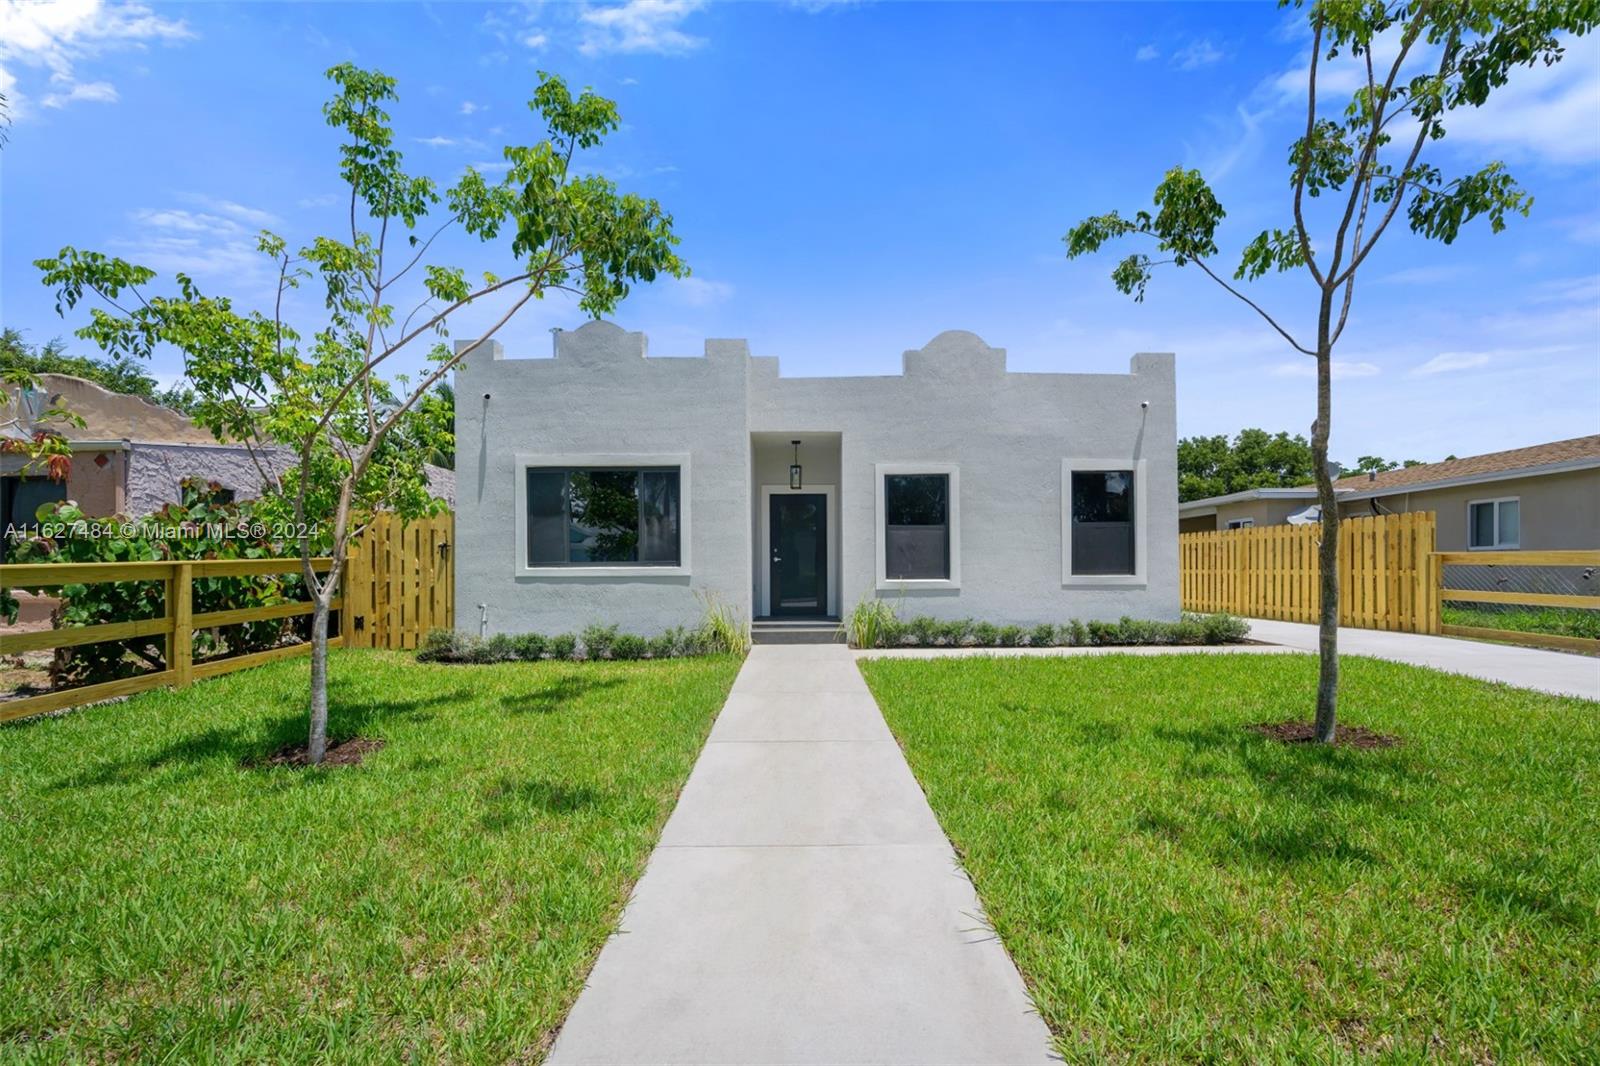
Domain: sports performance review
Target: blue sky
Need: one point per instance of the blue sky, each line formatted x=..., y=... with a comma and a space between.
x=848, y=180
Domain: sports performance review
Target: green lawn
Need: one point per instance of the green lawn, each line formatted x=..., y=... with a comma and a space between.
x=1573, y=622
x=445, y=899
x=1177, y=888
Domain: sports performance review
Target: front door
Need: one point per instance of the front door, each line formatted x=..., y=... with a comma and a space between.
x=799, y=538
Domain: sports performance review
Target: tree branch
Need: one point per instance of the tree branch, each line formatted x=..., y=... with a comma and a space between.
x=1201, y=263
x=1304, y=169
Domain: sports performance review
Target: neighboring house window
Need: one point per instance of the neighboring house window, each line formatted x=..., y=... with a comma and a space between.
x=1241, y=523
x=919, y=525
x=20, y=499
x=602, y=517
x=1494, y=523
x=1103, y=522
x=606, y=515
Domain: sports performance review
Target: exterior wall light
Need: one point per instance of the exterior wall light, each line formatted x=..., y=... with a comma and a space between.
x=794, y=469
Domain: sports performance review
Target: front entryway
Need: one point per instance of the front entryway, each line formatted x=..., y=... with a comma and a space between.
x=798, y=555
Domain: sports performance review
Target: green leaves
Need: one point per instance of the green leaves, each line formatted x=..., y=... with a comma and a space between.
x=1184, y=225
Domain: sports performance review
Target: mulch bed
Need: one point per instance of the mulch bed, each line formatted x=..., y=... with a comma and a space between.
x=343, y=753
x=1344, y=736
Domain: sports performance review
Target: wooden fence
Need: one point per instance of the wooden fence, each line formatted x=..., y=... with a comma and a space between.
x=397, y=584
x=1388, y=572
x=401, y=582
x=1526, y=599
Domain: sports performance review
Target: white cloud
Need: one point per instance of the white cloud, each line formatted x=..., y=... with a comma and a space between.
x=639, y=26
x=326, y=199
x=491, y=167
x=1447, y=362
x=535, y=41
x=468, y=107
x=200, y=243
x=701, y=292
x=1307, y=368
x=1545, y=113
x=93, y=92
x=56, y=37
x=252, y=216
x=1195, y=54
x=1147, y=53
x=1428, y=275
x=435, y=141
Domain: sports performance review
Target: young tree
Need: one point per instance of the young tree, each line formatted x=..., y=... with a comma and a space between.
x=260, y=381
x=1368, y=158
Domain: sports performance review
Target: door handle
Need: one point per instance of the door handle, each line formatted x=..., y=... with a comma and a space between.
x=777, y=559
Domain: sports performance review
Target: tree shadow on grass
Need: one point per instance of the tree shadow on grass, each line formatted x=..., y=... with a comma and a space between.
x=250, y=743
x=554, y=697
x=511, y=803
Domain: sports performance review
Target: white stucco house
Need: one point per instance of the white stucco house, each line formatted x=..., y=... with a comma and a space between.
x=606, y=486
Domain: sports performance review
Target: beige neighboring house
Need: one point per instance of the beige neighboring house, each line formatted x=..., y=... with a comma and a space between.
x=1542, y=498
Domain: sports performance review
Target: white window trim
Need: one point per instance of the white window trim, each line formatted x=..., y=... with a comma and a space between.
x=832, y=576
x=1141, y=526
x=1498, y=545
x=523, y=460
x=886, y=583
x=1239, y=523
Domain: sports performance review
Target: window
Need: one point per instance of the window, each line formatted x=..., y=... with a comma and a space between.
x=919, y=525
x=20, y=499
x=1241, y=523
x=602, y=515
x=1103, y=522
x=1494, y=523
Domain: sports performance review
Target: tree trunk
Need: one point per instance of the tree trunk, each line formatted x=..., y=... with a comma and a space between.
x=317, y=742
x=1328, y=549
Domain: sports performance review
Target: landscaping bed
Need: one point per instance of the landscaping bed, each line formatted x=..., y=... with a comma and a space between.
x=170, y=894
x=1176, y=886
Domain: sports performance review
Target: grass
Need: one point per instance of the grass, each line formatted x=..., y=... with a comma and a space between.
x=443, y=900
x=1573, y=622
x=1176, y=888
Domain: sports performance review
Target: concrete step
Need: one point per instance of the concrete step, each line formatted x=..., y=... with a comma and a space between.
x=795, y=631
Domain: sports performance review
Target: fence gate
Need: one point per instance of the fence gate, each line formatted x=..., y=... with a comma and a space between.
x=400, y=582
x=1388, y=578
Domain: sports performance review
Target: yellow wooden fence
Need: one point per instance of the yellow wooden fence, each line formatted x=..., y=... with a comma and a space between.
x=1525, y=599
x=397, y=584
x=401, y=582
x=1388, y=572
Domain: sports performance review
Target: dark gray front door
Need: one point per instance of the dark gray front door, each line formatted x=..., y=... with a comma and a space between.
x=799, y=533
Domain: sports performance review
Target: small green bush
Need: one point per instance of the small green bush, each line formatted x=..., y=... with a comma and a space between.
x=1010, y=636
x=1224, y=628
x=564, y=646
x=721, y=629
x=985, y=634
x=1042, y=635
x=628, y=646
x=597, y=641
x=1077, y=634
x=529, y=647
x=499, y=648
x=440, y=645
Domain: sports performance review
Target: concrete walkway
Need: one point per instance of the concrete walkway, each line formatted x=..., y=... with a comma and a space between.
x=1562, y=673
x=803, y=905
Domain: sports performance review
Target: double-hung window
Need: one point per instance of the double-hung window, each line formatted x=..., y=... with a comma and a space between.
x=919, y=525
x=1494, y=523
x=1102, y=522
x=601, y=518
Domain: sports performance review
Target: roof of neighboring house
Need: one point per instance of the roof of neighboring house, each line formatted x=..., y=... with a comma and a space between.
x=1576, y=454
x=107, y=415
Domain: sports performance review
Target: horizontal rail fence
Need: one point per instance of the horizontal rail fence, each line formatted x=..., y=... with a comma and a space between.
x=400, y=582
x=1387, y=575
x=1498, y=581
x=176, y=626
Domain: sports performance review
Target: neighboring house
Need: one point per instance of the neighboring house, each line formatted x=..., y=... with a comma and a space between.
x=1542, y=498
x=131, y=455
x=605, y=486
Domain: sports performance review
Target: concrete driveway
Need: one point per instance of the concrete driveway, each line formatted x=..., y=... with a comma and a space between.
x=803, y=905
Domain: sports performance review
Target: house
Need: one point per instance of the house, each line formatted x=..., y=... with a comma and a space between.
x=1542, y=498
x=606, y=486
x=130, y=456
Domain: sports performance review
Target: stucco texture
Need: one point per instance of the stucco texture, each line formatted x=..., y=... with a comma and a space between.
x=955, y=403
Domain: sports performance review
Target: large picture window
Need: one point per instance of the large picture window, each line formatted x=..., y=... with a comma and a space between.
x=603, y=516
x=916, y=527
x=1103, y=522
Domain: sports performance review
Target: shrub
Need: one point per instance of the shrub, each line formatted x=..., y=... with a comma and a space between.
x=597, y=641
x=564, y=646
x=870, y=624
x=499, y=648
x=722, y=629
x=1104, y=634
x=529, y=647
x=628, y=646
x=1224, y=629
x=1010, y=636
x=439, y=646
x=1188, y=630
x=1042, y=635
x=985, y=634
